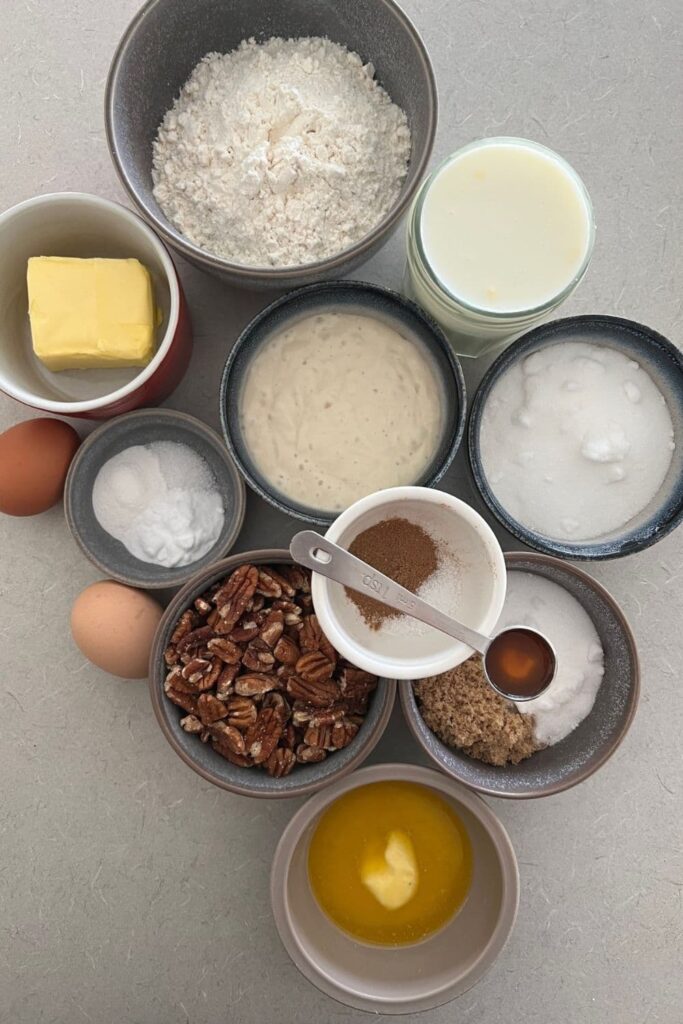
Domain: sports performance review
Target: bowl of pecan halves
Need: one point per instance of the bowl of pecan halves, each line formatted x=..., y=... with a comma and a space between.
x=250, y=692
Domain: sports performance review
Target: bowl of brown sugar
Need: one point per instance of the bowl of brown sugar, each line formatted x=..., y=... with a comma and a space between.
x=439, y=548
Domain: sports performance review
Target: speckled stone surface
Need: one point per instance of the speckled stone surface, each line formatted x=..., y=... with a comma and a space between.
x=133, y=892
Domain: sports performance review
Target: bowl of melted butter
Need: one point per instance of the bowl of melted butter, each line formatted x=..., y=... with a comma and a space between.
x=394, y=890
x=338, y=390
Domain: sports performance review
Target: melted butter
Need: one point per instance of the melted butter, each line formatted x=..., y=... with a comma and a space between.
x=339, y=405
x=390, y=863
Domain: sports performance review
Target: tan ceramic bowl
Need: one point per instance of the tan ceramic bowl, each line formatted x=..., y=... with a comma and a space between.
x=404, y=979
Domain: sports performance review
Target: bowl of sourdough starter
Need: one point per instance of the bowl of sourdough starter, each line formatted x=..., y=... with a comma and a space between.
x=338, y=390
x=576, y=437
x=271, y=144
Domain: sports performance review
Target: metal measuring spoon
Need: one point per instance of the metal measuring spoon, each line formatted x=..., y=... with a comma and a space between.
x=519, y=662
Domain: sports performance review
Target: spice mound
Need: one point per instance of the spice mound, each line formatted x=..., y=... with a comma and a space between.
x=280, y=153
x=256, y=676
x=462, y=709
x=401, y=550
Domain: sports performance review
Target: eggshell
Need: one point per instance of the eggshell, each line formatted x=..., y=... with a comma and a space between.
x=114, y=626
x=34, y=460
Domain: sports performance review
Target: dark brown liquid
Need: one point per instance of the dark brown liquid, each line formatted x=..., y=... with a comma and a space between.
x=520, y=663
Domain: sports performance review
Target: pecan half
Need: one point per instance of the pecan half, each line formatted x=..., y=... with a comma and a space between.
x=210, y=709
x=242, y=713
x=297, y=577
x=310, y=755
x=225, y=682
x=258, y=656
x=241, y=760
x=186, y=623
x=186, y=701
x=277, y=701
x=262, y=738
x=280, y=762
x=342, y=734
x=203, y=606
x=255, y=683
x=194, y=639
x=314, y=667
x=228, y=736
x=319, y=693
x=319, y=736
x=233, y=597
x=225, y=649
x=286, y=651
x=272, y=628
x=291, y=611
x=312, y=638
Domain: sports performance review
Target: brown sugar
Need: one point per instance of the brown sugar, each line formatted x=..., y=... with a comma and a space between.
x=466, y=713
x=401, y=550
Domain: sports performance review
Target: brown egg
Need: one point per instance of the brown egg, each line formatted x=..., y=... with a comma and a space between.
x=114, y=626
x=34, y=460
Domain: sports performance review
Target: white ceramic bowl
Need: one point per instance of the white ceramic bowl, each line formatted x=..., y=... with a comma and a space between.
x=403, y=979
x=481, y=579
x=76, y=224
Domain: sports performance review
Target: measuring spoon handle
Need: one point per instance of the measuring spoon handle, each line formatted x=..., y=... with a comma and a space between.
x=328, y=559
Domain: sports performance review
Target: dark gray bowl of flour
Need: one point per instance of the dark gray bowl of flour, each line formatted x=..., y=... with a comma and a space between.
x=167, y=39
x=140, y=428
x=594, y=740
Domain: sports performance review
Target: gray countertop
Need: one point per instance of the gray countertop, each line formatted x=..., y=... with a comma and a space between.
x=132, y=891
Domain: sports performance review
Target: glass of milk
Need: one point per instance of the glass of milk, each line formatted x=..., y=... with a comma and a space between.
x=498, y=236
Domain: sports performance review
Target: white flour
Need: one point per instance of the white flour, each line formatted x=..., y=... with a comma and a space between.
x=280, y=153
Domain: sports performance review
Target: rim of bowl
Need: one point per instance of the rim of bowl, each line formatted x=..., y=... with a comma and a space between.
x=586, y=551
x=137, y=222
x=410, y=709
x=273, y=274
x=441, y=782
x=281, y=503
x=182, y=600
x=183, y=573
x=320, y=584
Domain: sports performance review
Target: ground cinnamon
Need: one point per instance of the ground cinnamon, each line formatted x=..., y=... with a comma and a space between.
x=401, y=550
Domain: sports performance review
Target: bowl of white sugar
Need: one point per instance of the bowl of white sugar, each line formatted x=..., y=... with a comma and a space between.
x=152, y=497
x=576, y=437
x=271, y=143
x=559, y=739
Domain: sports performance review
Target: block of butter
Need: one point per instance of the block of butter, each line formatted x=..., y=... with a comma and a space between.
x=89, y=313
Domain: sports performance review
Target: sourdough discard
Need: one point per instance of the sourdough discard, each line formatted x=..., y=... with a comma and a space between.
x=280, y=153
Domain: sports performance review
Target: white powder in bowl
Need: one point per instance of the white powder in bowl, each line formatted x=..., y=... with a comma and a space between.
x=534, y=601
x=161, y=501
x=576, y=440
x=280, y=153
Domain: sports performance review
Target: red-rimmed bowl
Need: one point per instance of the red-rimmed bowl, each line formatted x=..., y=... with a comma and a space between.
x=77, y=224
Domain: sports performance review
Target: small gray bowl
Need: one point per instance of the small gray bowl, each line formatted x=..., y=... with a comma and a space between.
x=305, y=778
x=351, y=297
x=167, y=39
x=144, y=427
x=594, y=740
x=664, y=363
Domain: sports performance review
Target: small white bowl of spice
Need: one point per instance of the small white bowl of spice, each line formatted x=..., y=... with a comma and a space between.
x=435, y=545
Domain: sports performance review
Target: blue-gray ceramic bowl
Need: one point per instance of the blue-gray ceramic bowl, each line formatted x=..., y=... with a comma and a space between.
x=305, y=778
x=167, y=38
x=352, y=297
x=664, y=363
x=593, y=741
x=138, y=428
